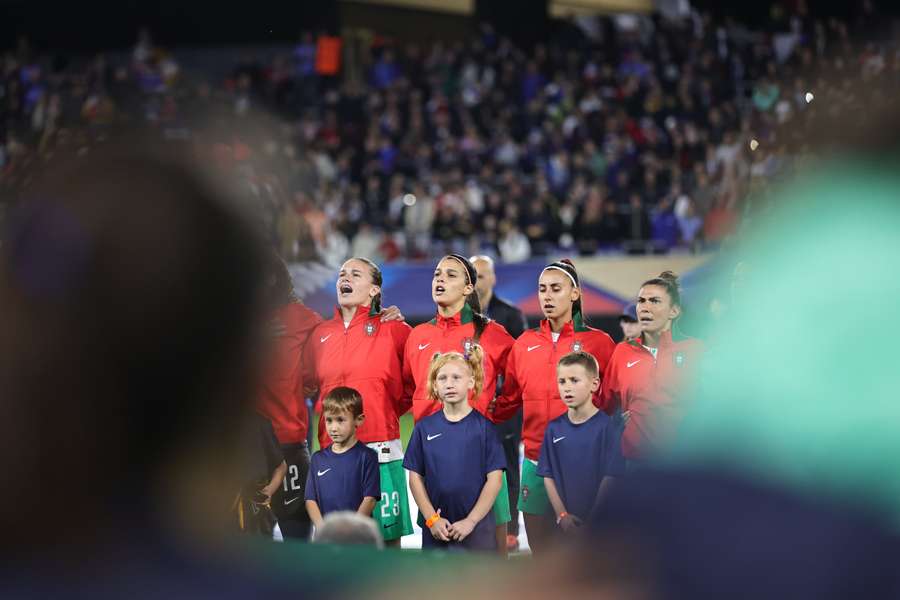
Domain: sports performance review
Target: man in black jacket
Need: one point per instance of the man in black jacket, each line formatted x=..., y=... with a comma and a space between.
x=511, y=431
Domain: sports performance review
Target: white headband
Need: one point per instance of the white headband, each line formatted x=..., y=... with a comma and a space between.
x=569, y=275
x=463, y=265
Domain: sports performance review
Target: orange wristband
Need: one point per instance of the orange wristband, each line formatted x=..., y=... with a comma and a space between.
x=561, y=516
x=432, y=520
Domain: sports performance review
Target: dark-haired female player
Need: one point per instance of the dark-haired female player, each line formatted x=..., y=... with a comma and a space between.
x=645, y=375
x=531, y=383
x=356, y=349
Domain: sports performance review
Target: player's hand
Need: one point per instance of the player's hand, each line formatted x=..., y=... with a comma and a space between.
x=441, y=529
x=391, y=313
x=268, y=493
x=570, y=523
x=262, y=498
x=461, y=529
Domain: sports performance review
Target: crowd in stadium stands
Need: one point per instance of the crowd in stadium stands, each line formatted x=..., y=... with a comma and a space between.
x=639, y=135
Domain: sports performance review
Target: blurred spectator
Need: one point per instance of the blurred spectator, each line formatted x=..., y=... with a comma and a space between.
x=665, y=225
x=147, y=439
x=385, y=70
x=491, y=133
x=689, y=222
x=513, y=244
x=720, y=222
x=765, y=95
x=367, y=243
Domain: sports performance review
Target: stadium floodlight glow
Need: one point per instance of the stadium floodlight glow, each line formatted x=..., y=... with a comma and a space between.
x=753, y=145
x=809, y=97
x=409, y=199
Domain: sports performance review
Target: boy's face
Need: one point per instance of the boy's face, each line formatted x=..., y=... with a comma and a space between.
x=341, y=426
x=576, y=385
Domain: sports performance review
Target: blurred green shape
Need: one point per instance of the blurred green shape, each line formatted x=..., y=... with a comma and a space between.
x=801, y=381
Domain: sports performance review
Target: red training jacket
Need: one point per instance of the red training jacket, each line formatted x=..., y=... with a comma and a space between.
x=451, y=334
x=282, y=400
x=649, y=390
x=367, y=356
x=531, y=376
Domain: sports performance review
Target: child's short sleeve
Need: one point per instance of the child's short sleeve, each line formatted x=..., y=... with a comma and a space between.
x=312, y=492
x=494, y=457
x=414, y=460
x=371, y=476
x=545, y=465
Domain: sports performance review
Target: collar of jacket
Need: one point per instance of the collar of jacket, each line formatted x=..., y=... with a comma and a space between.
x=362, y=312
x=666, y=339
x=576, y=325
x=461, y=318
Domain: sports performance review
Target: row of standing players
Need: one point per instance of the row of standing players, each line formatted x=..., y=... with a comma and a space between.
x=374, y=352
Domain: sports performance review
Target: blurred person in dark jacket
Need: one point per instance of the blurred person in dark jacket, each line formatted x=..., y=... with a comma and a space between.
x=130, y=293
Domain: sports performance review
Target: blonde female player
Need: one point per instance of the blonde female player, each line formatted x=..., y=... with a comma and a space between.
x=455, y=459
x=356, y=349
x=457, y=326
x=531, y=383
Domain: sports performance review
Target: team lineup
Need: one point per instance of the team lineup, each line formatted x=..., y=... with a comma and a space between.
x=591, y=411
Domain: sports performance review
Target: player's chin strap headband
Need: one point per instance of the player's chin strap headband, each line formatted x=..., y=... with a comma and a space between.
x=558, y=268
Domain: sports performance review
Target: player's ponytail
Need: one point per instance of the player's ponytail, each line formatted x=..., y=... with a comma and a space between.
x=375, y=273
x=473, y=359
x=474, y=356
x=472, y=300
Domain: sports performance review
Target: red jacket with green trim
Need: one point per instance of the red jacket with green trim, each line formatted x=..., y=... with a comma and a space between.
x=443, y=334
x=531, y=376
x=282, y=400
x=649, y=390
x=366, y=356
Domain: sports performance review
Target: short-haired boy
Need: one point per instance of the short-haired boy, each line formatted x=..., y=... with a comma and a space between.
x=343, y=476
x=581, y=452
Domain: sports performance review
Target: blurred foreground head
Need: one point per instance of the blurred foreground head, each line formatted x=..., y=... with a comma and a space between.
x=129, y=291
x=348, y=527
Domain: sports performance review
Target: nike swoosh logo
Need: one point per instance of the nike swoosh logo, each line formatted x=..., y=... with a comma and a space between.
x=322, y=340
x=559, y=439
x=423, y=346
x=431, y=437
x=294, y=499
x=530, y=348
x=631, y=364
x=320, y=473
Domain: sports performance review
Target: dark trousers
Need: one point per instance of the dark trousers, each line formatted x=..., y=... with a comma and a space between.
x=288, y=502
x=511, y=436
x=296, y=527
